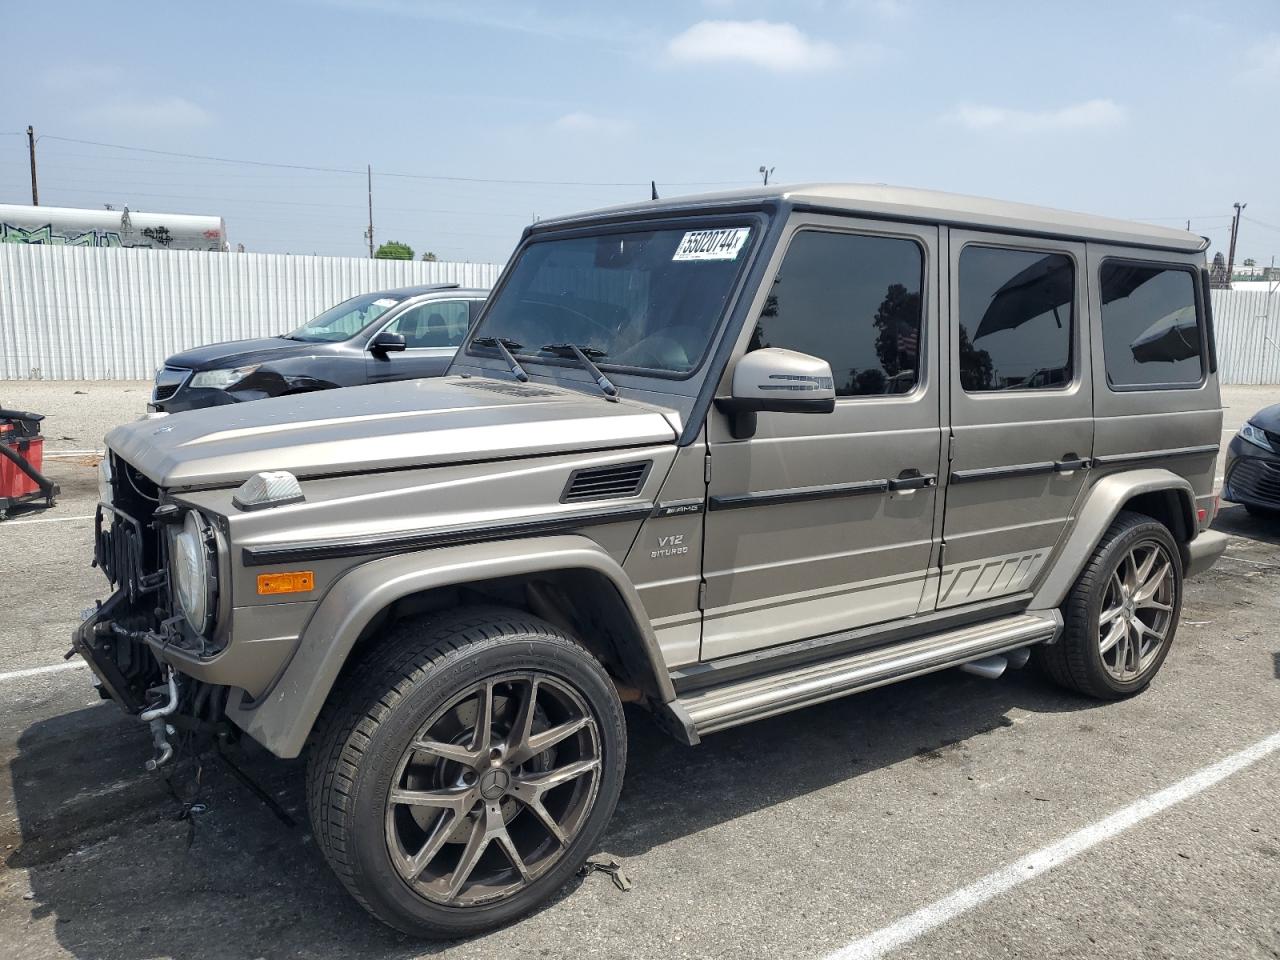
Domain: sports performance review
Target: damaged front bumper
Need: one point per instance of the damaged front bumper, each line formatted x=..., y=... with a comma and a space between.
x=96, y=640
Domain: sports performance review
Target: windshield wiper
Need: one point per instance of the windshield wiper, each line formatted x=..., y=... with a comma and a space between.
x=583, y=355
x=505, y=346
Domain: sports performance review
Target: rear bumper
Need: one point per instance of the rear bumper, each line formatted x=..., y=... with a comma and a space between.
x=1203, y=552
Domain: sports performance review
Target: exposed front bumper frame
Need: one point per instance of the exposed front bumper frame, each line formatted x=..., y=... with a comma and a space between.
x=86, y=640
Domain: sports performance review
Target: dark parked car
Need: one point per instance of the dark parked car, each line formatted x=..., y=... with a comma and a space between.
x=1253, y=464
x=389, y=335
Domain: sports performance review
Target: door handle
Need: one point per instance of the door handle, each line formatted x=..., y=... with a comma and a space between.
x=1070, y=463
x=912, y=480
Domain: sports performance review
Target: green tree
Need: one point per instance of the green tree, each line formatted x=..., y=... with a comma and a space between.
x=430, y=257
x=392, y=250
x=1250, y=262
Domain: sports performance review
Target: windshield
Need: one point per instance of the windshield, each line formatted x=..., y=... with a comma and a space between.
x=346, y=319
x=647, y=298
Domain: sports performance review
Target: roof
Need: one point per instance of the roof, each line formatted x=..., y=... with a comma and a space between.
x=909, y=203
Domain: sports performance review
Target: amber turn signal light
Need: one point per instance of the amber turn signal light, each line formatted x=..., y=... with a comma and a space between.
x=296, y=581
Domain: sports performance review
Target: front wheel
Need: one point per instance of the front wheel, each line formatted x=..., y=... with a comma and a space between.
x=470, y=768
x=1120, y=617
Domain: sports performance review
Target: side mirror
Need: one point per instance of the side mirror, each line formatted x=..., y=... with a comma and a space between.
x=777, y=381
x=387, y=342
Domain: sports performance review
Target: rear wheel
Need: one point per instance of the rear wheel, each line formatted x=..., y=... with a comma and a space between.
x=1122, y=613
x=468, y=772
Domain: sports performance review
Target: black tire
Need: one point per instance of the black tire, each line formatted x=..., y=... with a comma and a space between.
x=416, y=669
x=1076, y=661
x=1262, y=513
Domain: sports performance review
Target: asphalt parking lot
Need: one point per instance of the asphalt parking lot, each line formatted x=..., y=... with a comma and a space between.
x=799, y=836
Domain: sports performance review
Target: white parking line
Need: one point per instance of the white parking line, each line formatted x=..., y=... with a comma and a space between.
x=18, y=523
x=37, y=671
x=917, y=924
x=1256, y=563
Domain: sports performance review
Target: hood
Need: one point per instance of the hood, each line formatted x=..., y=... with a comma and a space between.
x=409, y=423
x=1268, y=418
x=235, y=353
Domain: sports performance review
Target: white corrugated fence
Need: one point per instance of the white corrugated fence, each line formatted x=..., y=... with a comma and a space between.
x=1247, y=329
x=85, y=313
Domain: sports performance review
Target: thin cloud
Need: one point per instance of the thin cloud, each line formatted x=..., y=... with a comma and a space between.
x=885, y=9
x=1262, y=61
x=780, y=47
x=511, y=17
x=1077, y=116
x=580, y=122
x=166, y=112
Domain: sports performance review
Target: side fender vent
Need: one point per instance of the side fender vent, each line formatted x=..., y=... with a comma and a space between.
x=606, y=483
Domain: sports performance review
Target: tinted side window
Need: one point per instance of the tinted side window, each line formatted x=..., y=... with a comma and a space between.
x=1150, y=325
x=1016, y=319
x=855, y=302
x=441, y=323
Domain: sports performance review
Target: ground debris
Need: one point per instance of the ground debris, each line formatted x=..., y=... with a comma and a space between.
x=606, y=865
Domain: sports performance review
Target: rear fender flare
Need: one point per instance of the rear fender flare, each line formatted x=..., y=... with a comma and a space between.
x=283, y=719
x=1102, y=503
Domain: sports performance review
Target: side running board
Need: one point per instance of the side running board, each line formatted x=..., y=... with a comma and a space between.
x=718, y=708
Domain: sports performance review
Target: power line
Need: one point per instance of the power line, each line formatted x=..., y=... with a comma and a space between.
x=353, y=171
x=1262, y=223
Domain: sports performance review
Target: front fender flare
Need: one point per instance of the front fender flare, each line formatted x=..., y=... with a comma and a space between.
x=1103, y=501
x=282, y=720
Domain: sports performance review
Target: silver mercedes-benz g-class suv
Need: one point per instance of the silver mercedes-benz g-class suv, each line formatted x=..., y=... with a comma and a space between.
x=722, y=457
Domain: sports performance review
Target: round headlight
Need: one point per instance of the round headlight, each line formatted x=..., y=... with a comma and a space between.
x=190, y=573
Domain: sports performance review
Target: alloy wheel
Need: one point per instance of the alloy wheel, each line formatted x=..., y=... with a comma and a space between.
x=1137, y=611
x=493, y=789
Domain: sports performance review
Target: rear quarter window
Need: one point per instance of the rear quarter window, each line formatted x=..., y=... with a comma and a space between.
x=1152, y=327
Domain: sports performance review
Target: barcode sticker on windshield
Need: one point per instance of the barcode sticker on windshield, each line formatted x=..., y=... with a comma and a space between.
x=386, y=302
x=723, y=244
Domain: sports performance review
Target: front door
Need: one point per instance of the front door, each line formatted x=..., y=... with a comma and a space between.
x=1021, y=410
x=823, y=522
x=432, y=332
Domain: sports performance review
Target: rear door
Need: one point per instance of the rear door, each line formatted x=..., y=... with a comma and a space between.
x=432, y=331
x=1021, y=410
x=824, y=522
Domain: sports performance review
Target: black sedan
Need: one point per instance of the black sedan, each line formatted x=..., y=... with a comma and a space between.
x=391, y=335
x=1253, y=464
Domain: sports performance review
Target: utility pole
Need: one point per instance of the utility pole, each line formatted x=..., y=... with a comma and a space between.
x=1235, y=229
x=370, y=233
x=766, y=172
x=31, y=148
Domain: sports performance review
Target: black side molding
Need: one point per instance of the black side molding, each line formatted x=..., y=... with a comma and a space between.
x=448, y=537
x=1000, y=473
x=797, y=495
x=1156, y=454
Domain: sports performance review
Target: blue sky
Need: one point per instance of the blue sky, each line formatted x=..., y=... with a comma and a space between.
x=1145, y=110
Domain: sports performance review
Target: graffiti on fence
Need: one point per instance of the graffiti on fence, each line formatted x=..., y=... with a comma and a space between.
x=12, y=233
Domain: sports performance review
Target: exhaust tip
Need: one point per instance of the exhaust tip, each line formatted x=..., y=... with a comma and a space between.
x=989, y=667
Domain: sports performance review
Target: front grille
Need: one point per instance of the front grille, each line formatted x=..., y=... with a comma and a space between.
x=127, y=546
x=1256, y=481
x=120, y=551
x=606, y=483
x=1273, y=438
x=168, y=382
